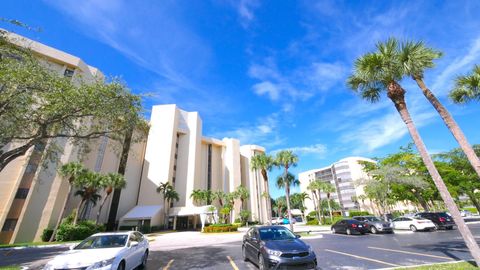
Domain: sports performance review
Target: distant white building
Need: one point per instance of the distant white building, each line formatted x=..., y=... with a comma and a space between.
x=345, y=175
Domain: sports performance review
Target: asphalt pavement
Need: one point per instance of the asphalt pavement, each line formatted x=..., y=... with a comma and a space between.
x=337, y=251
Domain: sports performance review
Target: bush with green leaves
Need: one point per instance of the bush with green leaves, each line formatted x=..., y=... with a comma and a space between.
x=358, y=213
x=46, y=234
x=217, y=228
x=69, y=232
x=313, y=221
x=244, y=216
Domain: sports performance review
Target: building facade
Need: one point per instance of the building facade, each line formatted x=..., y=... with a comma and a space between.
x=33, y=196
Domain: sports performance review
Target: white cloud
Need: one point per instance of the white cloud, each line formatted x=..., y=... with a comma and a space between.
x=245, y=10
x=315, y=149
x=267, y=88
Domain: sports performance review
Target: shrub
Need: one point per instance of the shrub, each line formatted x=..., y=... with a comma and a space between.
x=312, y=222
x=472, y=210
x=216, y=228
x=244, y=216
x=47, y=233
x=358, y=213
x=335, y=219
x=69, y=232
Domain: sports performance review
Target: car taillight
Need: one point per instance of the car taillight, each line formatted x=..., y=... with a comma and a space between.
x=442, y=219
x=354, y=225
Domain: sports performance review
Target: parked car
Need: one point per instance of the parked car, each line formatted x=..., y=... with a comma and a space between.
x=413, y=223
x=285, y=221
x=349, y=226
x=441, y=219
x=120, y=250
x=276, y=247
x=374, y=224
x=277, y=220
x=465, y=213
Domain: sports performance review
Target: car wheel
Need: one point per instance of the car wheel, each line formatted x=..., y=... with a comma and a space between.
x=413, y=228
x=333, y=231
x=244, y=254
x=349, y=232
x=373, y=230
x=121, y=266
x=261, y=262
x=144, y=259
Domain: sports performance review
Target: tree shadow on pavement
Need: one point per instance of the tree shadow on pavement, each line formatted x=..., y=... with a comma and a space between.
x=34, y=258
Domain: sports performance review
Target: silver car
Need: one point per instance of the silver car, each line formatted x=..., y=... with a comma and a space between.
x=374, y=224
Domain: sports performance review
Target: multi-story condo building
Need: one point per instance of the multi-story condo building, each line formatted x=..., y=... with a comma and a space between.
x=32, y=196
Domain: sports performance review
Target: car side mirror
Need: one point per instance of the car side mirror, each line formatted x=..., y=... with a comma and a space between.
x=133, y=243
x=297, y=236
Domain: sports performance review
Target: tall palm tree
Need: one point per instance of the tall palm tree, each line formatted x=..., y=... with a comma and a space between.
x=220, y=196
x=243, y=194
x=88, y=184
x=112, y=181
x=314, y=187
x=197, y=196
x=467, y=87
x=286, y=182
x=168, y=194
x=71, y=171
x=381, y=71
x=415, y=58
x=328, y=188
x=280, y=203
x=303, y=196
x=264, y=163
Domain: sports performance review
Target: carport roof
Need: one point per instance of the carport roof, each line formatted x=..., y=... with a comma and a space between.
x=142, y=212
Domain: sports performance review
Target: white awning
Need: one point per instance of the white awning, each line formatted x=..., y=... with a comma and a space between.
x=140, y=212
x=296, y=212
x=190, y=211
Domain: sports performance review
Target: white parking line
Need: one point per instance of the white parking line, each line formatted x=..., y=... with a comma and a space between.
x=363, y=258
x=413, y=253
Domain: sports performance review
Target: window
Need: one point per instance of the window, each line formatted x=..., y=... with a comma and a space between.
x=22, y=193
x=69, y=73
x=9, y=225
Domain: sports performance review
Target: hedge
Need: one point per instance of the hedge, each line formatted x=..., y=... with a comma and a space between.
x=215, y=228
x=69, y=232
x=358, y=213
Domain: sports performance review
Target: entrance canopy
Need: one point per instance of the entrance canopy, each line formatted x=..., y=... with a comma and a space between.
x=141, y=212
x=203, y=211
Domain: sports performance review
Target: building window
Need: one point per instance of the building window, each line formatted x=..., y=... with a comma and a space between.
x=9, y=225
x=68, y=73
x=22, y=193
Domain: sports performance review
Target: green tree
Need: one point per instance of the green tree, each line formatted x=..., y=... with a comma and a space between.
x=415, y=58
x=328, y=188
x=169, y=194
x=88, y=184
x=467, y=87
x=242, y=194
x=381, y=71
x=286, y=182
x=37, y=105
x=314, y=186
x=264, y=163
x=220, y=196
x=280, y=204
x=198, y=196
x=111, y=181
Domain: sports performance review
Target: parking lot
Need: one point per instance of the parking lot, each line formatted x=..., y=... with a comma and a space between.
x=193, y=250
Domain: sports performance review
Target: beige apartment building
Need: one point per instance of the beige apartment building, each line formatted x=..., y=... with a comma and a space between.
x=346, y=175
x=32, y=196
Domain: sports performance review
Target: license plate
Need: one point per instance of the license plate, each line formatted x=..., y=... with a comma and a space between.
x=360, y=226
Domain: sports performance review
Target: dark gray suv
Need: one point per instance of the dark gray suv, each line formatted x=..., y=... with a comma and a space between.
x=374, y=224
x=276, y=247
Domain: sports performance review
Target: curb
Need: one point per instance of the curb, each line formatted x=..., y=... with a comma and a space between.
x=40, y=246
x=420, y=265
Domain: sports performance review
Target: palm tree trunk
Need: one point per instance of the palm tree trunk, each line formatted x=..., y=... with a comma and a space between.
x=329, y=209
x=287, y=195
x=397, y=94
x=78, y=210
x=320, y=208
x=474, y=200
x=165, y=221
x=100, y=208
x=314, y=198
x=59, y=221
x=451, y=124
x=268, y=204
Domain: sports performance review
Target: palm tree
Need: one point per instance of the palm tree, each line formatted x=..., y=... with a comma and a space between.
x=381, y=71
x=168, y=194
x=467, y=87
x=328, y=188
x=71, y=171
x=88, y=184
x=243, y=194
x=280, y=203
x=314, y=186
x=197, y=196
x=286, y=182
x=264, y=163
x=303, y=196
x=112, y=181
x=415, y=58
x=220, y=196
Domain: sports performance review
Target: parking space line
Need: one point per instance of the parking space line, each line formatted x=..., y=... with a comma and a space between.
x=232, y=263
x=363, y=258
x=413, y=253
x=169, y=264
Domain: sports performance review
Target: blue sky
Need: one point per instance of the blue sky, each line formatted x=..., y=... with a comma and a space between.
x=270, y=72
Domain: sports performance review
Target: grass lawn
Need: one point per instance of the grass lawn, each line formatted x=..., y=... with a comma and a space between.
x=10, y=267
x=444, y=266
x=33, y=244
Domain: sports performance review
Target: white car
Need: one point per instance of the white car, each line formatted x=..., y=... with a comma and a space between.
x=102, y=251
x=413, y=224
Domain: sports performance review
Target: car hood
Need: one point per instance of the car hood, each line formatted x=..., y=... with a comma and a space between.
x=286, y=245
x=83, y=257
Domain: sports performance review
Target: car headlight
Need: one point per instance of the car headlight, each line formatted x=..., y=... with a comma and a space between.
x=274, y=252
x=101, y=264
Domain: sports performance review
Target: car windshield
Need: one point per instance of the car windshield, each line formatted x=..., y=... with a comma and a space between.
x=275, y=234
x=103, y=241
x=444, y=215
x=372, y=219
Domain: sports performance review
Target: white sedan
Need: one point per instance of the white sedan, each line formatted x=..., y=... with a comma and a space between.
x=413, y=224
x=112, y=251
